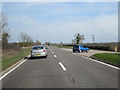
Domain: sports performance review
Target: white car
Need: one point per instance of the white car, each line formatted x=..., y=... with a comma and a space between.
x=39, y=51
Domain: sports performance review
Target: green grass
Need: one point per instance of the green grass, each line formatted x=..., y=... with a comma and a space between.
x=8, y=61
x=111, y=58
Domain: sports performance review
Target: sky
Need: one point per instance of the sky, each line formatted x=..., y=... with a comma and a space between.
x=59, y=21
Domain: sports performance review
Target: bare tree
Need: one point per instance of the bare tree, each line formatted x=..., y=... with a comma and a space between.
x=79, y=38
x=29, y=39
x=25, y=37
x=0, y=23
x=0, y=27
x=4, y=22
x=4, y=30
x=37, y=42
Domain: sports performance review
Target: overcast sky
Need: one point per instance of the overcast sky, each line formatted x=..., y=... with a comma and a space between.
x=60, y=21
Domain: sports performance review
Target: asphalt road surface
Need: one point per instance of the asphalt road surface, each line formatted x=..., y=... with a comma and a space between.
x=61, y=69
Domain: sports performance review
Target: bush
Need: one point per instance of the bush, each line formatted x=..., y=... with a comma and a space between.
x=6, y=45
x=26, y=44
x=101, y=47
x=98, y=46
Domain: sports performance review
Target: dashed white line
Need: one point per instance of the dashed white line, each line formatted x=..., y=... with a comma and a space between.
x=50, y=48
x=12, y=69
x=63, y=67
x=52, y=52
x=55, y=56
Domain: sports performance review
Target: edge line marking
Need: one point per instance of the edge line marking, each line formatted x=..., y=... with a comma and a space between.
x=12, y=69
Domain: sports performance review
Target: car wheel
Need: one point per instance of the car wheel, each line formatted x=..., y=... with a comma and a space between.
x=31, y=56
x=46, y=56
x=87, y=51
x=80, y=51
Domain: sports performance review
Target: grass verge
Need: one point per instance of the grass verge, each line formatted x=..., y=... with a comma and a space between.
x=11, y=59
x=111, y=58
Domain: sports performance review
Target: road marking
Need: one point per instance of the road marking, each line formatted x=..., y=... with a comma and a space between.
x=52, y=52
x=63, y=67
x=50, y=48
x=55, y=56
x=103, y=63
x=12, y=69
x=100, y=62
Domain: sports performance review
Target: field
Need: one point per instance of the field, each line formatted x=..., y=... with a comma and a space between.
x=9, y=57
x=113, y=46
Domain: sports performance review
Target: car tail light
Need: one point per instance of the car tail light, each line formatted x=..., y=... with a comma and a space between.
x=31, y=51
x=43, y=50
x=78, y=48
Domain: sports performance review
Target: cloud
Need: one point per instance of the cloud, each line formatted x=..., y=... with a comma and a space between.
x=32, y=4
x=60, y=0
x=103, y=27
x=21, y=20
x=67, y=9
x=59, y=22
x=107, y=23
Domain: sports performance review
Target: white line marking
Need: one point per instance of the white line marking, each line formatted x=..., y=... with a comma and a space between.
x=55, y=56
x=49, y=48
x=12, y=69
x=103, y=63
x=52, y=52
x=100, y=62
x=63, y=67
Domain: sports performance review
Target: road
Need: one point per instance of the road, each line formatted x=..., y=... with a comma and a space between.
x=61, y=69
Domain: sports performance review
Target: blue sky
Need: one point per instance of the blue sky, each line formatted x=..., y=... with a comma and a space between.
x=60, y=21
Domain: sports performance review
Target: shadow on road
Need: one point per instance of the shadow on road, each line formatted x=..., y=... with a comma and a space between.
x=35, y=58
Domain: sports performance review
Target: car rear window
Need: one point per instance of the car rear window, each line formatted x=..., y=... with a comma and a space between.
x=38, y=48
x=76, y=46
x=84, y=46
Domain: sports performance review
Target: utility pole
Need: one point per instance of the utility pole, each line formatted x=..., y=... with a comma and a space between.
x=93, y=37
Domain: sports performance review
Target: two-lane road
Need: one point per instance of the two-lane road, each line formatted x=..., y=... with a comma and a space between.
x=87, y=73
x=61, y=69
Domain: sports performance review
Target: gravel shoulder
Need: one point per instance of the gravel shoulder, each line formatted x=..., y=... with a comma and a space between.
x=90, y=52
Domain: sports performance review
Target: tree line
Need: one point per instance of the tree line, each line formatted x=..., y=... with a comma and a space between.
x=26, y=39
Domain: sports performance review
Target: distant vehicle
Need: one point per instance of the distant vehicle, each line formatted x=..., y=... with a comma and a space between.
x=80, y=48
x=39, y=51
x=48, y=44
